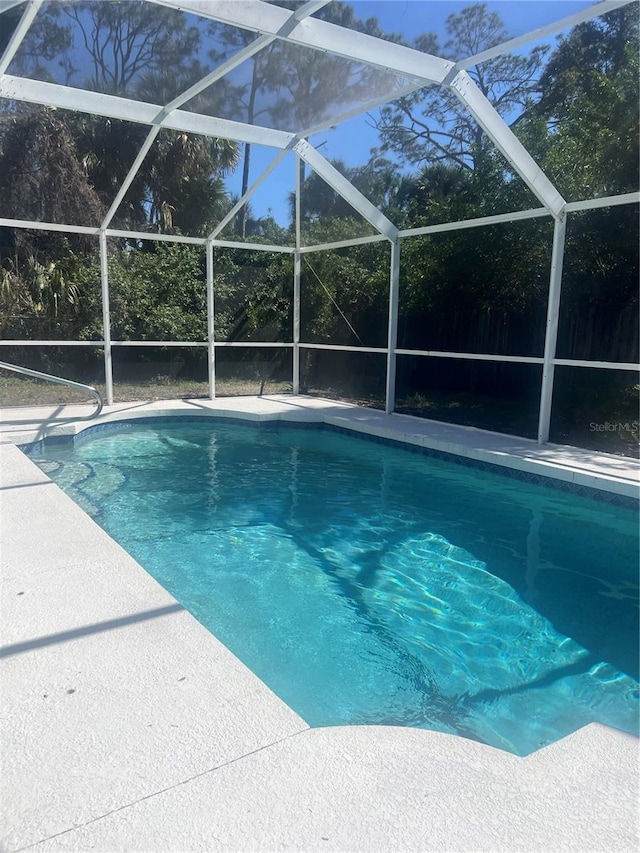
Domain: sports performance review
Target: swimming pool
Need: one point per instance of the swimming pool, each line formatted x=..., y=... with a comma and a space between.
x=365, y=584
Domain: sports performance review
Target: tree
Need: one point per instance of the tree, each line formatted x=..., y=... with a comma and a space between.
x=41, y=177
x=344, y=292
x=584, y=132
x=294, y=88
x=584, y=128
x=182, y=182
x=10, y=20
x=245, y=99
x=125, y=39
x=46, y=42
x=253, y=295
x=432, y=125
x=47, y=292
x=160, y=294
x=380, y=181
x=134, y=49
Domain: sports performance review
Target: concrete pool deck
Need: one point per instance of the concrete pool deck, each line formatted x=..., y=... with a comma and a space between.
x=129, y=727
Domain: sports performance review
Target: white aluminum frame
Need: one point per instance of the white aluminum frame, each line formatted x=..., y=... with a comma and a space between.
x=551, y=332
x=250, y=191
x=473, y=356
x=345, y=348
x=392, y=326
x=345, y=188
x=5, y=5
x=343, y=244
x=297, y=277
x=140, y=112
x=211, y=324
x=217, y=74
x=580, y=17
x=106, y=317
x=359, y=47
x=300, y=28
x=19, y=33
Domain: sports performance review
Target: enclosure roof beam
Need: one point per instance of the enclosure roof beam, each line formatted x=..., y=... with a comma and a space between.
x=48, y=226
x=478, y=222
x=65, y=97
x=320, y=35
x=362, y=108
x=293, y=18
x=215, y=75
x=133, y=171
x=587, y=14
x=603, y=201
x=250, y=191
x=5, y=5
x=18, y=34
x=346, y=189
x=232, y=63
x=507, y=142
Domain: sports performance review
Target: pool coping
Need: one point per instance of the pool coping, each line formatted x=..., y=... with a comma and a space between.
x=191, y=751
x=602, y=476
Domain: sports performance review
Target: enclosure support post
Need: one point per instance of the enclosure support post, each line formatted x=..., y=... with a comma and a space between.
x=551, y=334
x=211, y=349
x=392, y=338
x=296, y=321
x=106, y=318
x=296, y=285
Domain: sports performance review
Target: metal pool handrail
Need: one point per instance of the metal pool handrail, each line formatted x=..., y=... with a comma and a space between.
x=27, y=371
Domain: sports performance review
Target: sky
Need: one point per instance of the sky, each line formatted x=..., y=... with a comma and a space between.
x=353, y=140
x=411, y=17
x=350, y=141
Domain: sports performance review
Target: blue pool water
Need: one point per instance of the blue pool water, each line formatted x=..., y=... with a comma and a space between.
x=366, y=584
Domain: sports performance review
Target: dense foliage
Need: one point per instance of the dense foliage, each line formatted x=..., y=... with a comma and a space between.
x=575, y=107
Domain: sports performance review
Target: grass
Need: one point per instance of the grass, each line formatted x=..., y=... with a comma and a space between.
x=512, y=415
x=519, y=416
x=19, y=392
